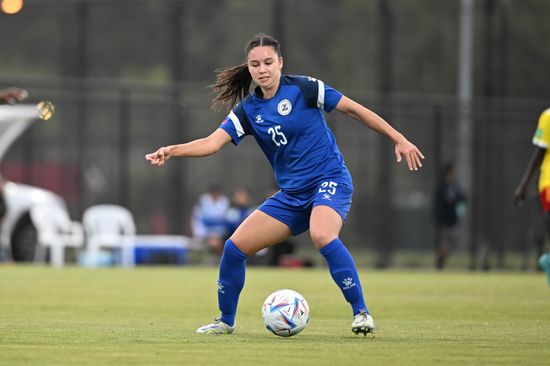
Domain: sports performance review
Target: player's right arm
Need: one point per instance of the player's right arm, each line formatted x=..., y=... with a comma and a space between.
x=197, y=148
x=541, y=140
x=533, y=167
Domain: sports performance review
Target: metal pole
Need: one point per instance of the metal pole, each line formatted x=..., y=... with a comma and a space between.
x=278, y=22
x=177, y=205
x=124, y=181
x=82, y=15
x=500, y=238
x=484, y=154
x=503, y=48
x=384, y=181
x=438, y=157
x=465, y=120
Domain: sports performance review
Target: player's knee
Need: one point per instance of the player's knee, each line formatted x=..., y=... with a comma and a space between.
x=321, y=237
x=243, y=246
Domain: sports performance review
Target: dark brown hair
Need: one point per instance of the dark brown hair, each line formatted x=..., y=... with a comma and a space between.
x=233, y=83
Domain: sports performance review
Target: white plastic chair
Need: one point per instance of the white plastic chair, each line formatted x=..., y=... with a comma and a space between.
x=109, y=226
x=55, y=231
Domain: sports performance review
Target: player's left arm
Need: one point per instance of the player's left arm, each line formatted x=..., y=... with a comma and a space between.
x=403, y=147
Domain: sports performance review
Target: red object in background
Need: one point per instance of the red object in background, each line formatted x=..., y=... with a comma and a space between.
x=158, y=223
x=289, y=261
x=60, y=179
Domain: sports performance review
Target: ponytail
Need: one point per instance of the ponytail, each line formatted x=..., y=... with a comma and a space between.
x=233, y=85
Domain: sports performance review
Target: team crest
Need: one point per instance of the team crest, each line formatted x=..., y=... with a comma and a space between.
x=284, y=107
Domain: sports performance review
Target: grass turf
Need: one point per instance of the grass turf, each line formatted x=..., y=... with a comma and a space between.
x=148, y=316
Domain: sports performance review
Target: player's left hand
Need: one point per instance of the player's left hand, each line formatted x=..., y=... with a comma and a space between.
x=159, y=157
x=411, y=153
x=519, y=194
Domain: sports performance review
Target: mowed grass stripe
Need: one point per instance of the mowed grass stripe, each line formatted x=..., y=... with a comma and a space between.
x=148, y=316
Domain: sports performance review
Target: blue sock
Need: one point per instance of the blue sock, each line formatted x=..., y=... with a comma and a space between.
x=231, y=281
x=344, y=273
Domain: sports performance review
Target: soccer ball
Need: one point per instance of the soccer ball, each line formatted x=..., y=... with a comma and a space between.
x=285, y=313
x=45, y=110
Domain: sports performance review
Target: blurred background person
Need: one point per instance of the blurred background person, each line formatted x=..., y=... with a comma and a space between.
x=209, y=221
x=12, y=95
x=240, y=208
x=449, y=206
x=539, y=162
x=3, y=211
x=8, y=96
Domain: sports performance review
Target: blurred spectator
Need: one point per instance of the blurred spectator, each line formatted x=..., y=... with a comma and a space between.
x=12, y=95
x=241, y=207
x=3, y=211
x=8, y=96
x=209, y=220
x=449, y=201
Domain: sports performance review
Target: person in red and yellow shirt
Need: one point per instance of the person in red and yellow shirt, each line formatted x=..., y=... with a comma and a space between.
x=539, y=161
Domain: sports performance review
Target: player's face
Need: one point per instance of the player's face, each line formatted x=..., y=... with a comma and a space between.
x=265, y=67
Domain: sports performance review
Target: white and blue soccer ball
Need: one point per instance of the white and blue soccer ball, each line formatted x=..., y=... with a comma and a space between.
x=285, y=313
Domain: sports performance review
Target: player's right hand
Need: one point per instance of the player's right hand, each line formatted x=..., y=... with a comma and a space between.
x=12, y=95
x=519, y=195
x=159, y=157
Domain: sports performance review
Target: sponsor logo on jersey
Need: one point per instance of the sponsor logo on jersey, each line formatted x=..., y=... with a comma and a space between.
x=284, y=107
x=258, y=119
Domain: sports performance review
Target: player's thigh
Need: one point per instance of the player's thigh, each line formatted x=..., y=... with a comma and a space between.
x=324, y=225
x=259, y=231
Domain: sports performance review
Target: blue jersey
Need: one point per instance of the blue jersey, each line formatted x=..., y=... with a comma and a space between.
x=291, y=130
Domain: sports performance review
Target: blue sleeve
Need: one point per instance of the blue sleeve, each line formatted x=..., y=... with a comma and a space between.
x=236, y=124
x=317, y=94
x=332, y=98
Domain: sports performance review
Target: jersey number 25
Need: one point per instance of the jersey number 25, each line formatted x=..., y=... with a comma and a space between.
x=277, y=135
x=328, y=187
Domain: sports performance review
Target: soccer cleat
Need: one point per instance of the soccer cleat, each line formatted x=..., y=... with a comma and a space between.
x=362, y=323
x=216, y=327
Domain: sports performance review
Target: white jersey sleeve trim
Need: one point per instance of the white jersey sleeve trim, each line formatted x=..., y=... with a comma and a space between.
x=238, y=127
x=540, y=143
x=320, y=94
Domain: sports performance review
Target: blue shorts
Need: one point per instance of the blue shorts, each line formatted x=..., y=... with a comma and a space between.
x=294, y=209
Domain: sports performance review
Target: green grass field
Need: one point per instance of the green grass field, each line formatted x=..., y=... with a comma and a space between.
x=148, y=316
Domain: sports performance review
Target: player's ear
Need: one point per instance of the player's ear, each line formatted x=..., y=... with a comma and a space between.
x=281, y=63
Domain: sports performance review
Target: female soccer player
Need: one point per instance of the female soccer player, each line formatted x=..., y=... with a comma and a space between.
x=285, y=116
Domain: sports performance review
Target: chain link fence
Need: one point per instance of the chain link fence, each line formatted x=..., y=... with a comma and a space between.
x=123, y=88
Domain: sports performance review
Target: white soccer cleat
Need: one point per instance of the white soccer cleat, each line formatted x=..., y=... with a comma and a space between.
x=216, y=327
x=362, y=323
